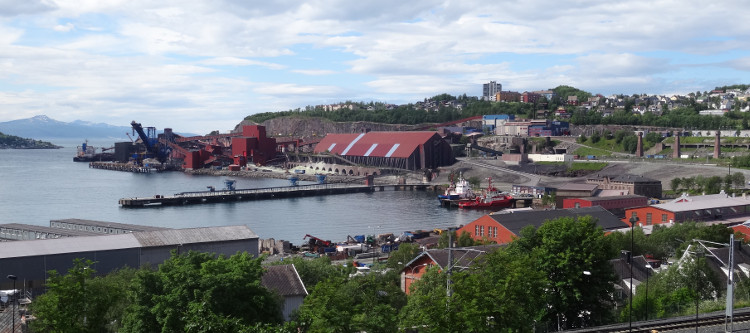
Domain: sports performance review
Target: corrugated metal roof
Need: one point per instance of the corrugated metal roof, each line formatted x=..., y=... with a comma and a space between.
x=375, y=144
x=67, y=245
x=36, y=228
x=108, y=224
x=702, y=204
x=124, y=241
x=284, y=280
x=519, y=220
x=194, y=235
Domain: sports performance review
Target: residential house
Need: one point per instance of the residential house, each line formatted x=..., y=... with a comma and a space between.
x=463, y=258
x=572, y=100
x=286, y=282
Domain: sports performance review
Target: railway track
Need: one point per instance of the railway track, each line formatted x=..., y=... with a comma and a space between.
x=707, y=322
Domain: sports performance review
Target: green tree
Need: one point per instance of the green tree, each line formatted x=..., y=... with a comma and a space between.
x=673, y=292
x=492, y=291
x=675, y=183
x=312, y=271
x=80, y=302
x=427, y=304
x=465, y=240
x=195, y=292
x=362, y=303
x=565, y=248
x=406, y=252
x=688, y=183
x=738, y=180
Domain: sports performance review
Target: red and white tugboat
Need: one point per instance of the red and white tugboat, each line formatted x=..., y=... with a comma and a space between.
x=490, y=198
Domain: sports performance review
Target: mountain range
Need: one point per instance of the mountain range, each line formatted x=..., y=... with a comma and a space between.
x=43, y=127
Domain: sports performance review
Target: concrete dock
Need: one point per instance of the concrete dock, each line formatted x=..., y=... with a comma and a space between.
x=192, y=198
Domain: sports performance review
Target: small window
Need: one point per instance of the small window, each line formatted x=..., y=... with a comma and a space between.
x=664, y=218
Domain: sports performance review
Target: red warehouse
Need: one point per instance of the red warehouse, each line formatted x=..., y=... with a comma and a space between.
x=687, y=208
x=504, y=228
x=615, y=204
x=404, y=150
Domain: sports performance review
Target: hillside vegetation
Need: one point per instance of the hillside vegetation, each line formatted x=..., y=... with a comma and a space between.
x=15, y=142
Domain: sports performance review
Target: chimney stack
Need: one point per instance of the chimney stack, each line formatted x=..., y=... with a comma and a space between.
x=639, y=149
x=676, y=146
x=717, y=144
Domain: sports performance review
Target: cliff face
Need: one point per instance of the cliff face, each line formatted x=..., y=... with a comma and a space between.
x=308, y=128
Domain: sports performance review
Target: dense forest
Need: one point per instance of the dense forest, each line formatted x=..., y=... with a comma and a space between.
x=15, y=142
x=445, y=108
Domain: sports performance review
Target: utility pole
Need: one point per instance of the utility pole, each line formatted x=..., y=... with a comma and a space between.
x=448, y=287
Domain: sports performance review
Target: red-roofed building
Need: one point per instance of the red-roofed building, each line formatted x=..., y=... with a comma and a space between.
x=744, y=230
x=404, y=150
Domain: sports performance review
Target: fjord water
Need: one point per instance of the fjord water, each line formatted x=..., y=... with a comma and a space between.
x=37, y=186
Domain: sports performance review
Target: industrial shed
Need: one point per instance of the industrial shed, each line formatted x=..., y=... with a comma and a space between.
x=31, y=260
x=402, y=150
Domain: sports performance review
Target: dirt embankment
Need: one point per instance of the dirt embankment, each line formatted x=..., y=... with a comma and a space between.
x=310, y=128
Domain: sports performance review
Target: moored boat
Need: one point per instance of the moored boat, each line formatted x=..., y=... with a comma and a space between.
x=490, y=198
x=457, y=191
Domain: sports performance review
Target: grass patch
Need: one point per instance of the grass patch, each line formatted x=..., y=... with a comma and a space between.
x=584, y=151
x=588, y=166
x=707, y=139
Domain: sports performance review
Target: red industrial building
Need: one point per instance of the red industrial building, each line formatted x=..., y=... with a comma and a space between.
x=504, y=228
x=689, y=208
x=253, y=147
x=615, y=204
x=403, y=150
x=250, y=146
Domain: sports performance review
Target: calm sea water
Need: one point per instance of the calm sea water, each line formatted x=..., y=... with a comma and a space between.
x=37, y=186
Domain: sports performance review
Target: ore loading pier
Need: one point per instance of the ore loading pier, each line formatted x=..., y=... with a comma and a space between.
x=192, y=198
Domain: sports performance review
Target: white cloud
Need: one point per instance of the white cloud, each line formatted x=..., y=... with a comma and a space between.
x=314, y=72
x=234, y=61
x=64, y=28
x=171, y=60
x=25, y=7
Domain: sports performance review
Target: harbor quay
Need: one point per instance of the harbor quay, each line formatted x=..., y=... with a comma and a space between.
x=190, y=198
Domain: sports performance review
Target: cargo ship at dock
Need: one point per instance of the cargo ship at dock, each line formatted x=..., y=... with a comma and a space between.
x=87, y=153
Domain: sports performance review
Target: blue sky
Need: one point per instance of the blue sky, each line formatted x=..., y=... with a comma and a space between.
x=198, y=66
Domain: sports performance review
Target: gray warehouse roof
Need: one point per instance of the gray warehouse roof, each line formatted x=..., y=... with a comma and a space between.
x=195, y=235
x=134, y=227
x=124, y=241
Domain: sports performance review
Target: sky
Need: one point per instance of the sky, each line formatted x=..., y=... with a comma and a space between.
x=198, y=66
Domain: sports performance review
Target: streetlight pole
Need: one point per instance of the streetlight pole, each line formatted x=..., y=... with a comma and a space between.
x=698, y=254
x=648, y=273
x=633, y=221
x=13, y=314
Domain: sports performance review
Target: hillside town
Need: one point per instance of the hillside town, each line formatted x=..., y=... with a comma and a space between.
x=579, y=217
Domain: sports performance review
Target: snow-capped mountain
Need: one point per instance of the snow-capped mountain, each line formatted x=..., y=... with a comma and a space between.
x=43, y=127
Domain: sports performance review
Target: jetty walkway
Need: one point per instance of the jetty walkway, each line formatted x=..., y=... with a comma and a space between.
x=191, y=198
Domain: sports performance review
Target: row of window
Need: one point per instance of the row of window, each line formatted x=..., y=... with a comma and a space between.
x=79, y=227
x=479, y=231
x=21, y=234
